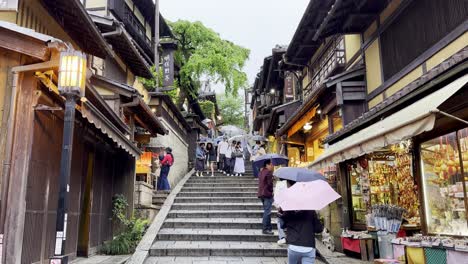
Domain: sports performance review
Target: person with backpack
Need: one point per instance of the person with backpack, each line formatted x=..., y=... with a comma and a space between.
x=166, y=162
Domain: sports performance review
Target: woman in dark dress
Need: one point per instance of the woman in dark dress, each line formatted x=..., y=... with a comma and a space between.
x=211, y=156
x=166, y=163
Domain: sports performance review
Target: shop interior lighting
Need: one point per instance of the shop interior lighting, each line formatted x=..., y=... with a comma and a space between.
x=307, y=126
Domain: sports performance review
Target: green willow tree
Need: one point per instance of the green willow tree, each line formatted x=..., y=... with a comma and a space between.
x=232, y=109
x=202, y=53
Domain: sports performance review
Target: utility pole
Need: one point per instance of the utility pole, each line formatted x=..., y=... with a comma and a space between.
x=156, y=41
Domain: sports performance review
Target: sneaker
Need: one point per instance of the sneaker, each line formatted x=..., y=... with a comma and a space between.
x=212, y=175
x=237, y=175
x=267, y=232
x=224, y=172
x=282, y=241
x=240, y=175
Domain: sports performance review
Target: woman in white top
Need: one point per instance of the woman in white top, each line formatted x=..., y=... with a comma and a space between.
x=239, y=167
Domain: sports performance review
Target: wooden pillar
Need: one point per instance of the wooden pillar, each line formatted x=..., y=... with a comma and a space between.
x=22, y=146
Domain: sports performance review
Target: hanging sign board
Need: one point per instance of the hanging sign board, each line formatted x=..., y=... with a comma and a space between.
x=9, y=5
x=168, y=67
x=288, y=86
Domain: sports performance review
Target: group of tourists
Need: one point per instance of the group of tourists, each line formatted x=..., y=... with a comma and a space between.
x=300, y=226
x=229, y=158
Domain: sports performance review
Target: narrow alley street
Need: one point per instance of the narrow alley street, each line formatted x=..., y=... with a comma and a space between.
x=223, y=132
x=216, y=220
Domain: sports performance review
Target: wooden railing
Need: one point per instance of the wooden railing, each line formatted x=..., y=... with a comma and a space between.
x=132, y=24
x=331, y=59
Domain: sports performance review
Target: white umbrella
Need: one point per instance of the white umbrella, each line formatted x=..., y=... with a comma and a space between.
x=231, y=130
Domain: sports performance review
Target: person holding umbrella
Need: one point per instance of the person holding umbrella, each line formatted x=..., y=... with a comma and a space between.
x=301, y=227
x=265, y=194
x=307, y=191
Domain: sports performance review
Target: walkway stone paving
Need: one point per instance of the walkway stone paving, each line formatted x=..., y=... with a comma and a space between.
x=217, y=220
x=101, y=259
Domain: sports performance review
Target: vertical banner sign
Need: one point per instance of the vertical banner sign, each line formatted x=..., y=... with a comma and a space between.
x=168, y=67
x=288, y=86
x=9, y=5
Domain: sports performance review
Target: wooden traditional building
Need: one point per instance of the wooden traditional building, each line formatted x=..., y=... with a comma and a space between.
x=415, y=58
x=274, y=98
x=129, y=28
x=111, y=118
x=331, y=85
x=375, y=74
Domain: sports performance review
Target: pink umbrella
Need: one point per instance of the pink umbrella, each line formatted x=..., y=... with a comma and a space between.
x=313, y=195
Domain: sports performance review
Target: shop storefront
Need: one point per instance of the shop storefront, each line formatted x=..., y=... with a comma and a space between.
x=444, y=171
x=413, y=161
x=383, y=177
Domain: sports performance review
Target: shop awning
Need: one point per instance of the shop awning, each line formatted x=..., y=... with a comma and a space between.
x=94, y=116
x=404, y=124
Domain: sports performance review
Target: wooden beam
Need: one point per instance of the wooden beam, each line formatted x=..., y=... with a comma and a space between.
x=21, y=154
x=357, y=83
x=24, y=44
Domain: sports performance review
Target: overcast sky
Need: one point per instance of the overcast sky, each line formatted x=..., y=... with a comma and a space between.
x=255, y=24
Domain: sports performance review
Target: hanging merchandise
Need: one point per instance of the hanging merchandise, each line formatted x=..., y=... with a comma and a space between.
x=444, y=184
x=387, y=217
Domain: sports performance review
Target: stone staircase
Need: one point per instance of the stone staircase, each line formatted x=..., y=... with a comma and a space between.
x=216, y=218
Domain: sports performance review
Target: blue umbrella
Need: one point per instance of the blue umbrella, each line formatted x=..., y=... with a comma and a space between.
x=276, y=159
x=298, y=174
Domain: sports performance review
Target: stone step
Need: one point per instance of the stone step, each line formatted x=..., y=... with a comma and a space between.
x=159, y=194
x=199, y=234
x=217, y=260
x=217, y=248
x=157, y=200
x=217, y=194
x=219, y=189
x=221, y=184
x=216, y=200
x=223, y=176
x=217, y=214
x=216, y=223
x=223, y=181
x=217, y=206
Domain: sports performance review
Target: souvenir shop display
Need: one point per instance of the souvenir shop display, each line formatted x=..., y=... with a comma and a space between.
x=384, y=178
x=386, y=217
x=355, y=234
x=446, y=242
x=444, y=185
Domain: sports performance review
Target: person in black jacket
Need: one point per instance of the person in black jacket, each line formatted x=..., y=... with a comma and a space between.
x=301, y=227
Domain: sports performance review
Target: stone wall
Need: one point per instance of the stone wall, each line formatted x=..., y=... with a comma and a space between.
x=179, y=146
